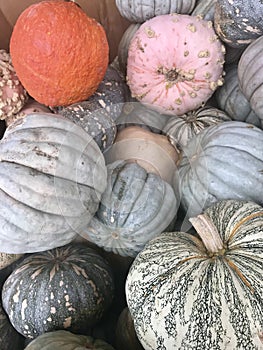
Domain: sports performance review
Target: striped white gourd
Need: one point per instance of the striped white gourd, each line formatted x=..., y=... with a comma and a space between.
x=189, y=293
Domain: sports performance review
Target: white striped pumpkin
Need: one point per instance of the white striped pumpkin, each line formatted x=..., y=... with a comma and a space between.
x=188, y=293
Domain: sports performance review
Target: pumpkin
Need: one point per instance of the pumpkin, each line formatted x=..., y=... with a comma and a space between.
x=185, y=292
x=13, y=96
x=59, y=53
x=7, y=259
x=69, y=287
x=175, y=76
x=135, y=207
x=250, y=70
x=138, y=114
x=223, y=161
x=231, y=99
x=126, y=337
x=233, y=54
x=181, y=129
x=52, y=178
x=124, y=44
x=10, y=339
x=142, y=10
x=238, y=22
x=59, y=340
x=205, y=8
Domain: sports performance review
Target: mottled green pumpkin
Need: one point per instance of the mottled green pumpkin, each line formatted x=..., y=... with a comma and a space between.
x=186, y=292
x=69, y=287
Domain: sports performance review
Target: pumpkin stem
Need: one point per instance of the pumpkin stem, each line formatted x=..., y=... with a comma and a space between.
x=208, y=233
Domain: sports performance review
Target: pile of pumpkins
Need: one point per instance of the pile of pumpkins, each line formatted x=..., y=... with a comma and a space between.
x=131, y=191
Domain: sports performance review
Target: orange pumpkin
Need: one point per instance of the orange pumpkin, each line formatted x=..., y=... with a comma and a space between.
x=59, y=53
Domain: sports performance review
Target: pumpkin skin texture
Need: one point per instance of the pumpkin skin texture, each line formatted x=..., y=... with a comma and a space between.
x=231, y=99
x=185, y=293
x=52, y=178
x=139, y=11
x=59, y=53
x=135, y=207
x=250, y=72
x=59, y=340
x=179, y=75
x=224, y=161
x=69, y=287
x=181, y=129
x=238, y=22
x=205, y=8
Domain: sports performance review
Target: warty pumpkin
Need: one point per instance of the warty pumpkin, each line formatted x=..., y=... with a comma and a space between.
x=223, y=161
x=59, y=53
x=187, y=292
x=175, y=63
x=69, y=287
x=52, y=177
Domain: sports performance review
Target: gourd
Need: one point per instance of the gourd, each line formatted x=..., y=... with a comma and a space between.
x=231, y=99
x=13, y=96
x=181, y=129
x=250, y=70
x=175, y=76
x=59, y=340
x=69, y=287
x=223, y=161
x=59, y=53
x=139, y=11
x=238, y=22
x=52, y=178
x=204, y=8
x=135, y=207
x=187, y=292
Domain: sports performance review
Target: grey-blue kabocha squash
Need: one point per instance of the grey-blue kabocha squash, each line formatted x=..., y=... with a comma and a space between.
x=188, y=292
x=139, y=11
x=52, y=175
x=231, y=99
x=69, y=287
x=224, y=161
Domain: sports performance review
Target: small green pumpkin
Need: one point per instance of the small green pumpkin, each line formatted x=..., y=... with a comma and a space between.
x=184, y=292
x=69, y=287
x=61, y=340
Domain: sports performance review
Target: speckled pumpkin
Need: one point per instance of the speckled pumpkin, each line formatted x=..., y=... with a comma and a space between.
x=59, y=53
x=175, y=63
x=184, y=292
x=60, y=340
x=69, y=287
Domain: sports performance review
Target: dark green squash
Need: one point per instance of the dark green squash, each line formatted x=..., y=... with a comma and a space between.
x=70, y=287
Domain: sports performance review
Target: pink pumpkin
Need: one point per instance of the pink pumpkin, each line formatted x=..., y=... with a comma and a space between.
x=175, y=63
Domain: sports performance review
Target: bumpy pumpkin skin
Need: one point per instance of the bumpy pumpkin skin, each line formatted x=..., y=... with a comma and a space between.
x=238, y=22
x=223, y=161
x=180, y=297
x=59, y=340
x=178, y=75
x=59, y=53
x=69, y=287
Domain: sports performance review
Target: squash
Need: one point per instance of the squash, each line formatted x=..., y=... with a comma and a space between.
x=181, y=129
x=59, y=53
x=185, y=292
x=69, y=287
x=250, y=73
x=59, y=340
x=13, y=96
x=175, y=76
x=205, y=9
x=10, y=339
x=142, y=10
x=231, y=99
x=223, y=161
x=52, y=178
x=135, y=207
x=238, y=22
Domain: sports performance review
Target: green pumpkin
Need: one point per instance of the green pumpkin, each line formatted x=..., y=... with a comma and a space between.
x=69, y=287
x=64, y=340
x=187, y=292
